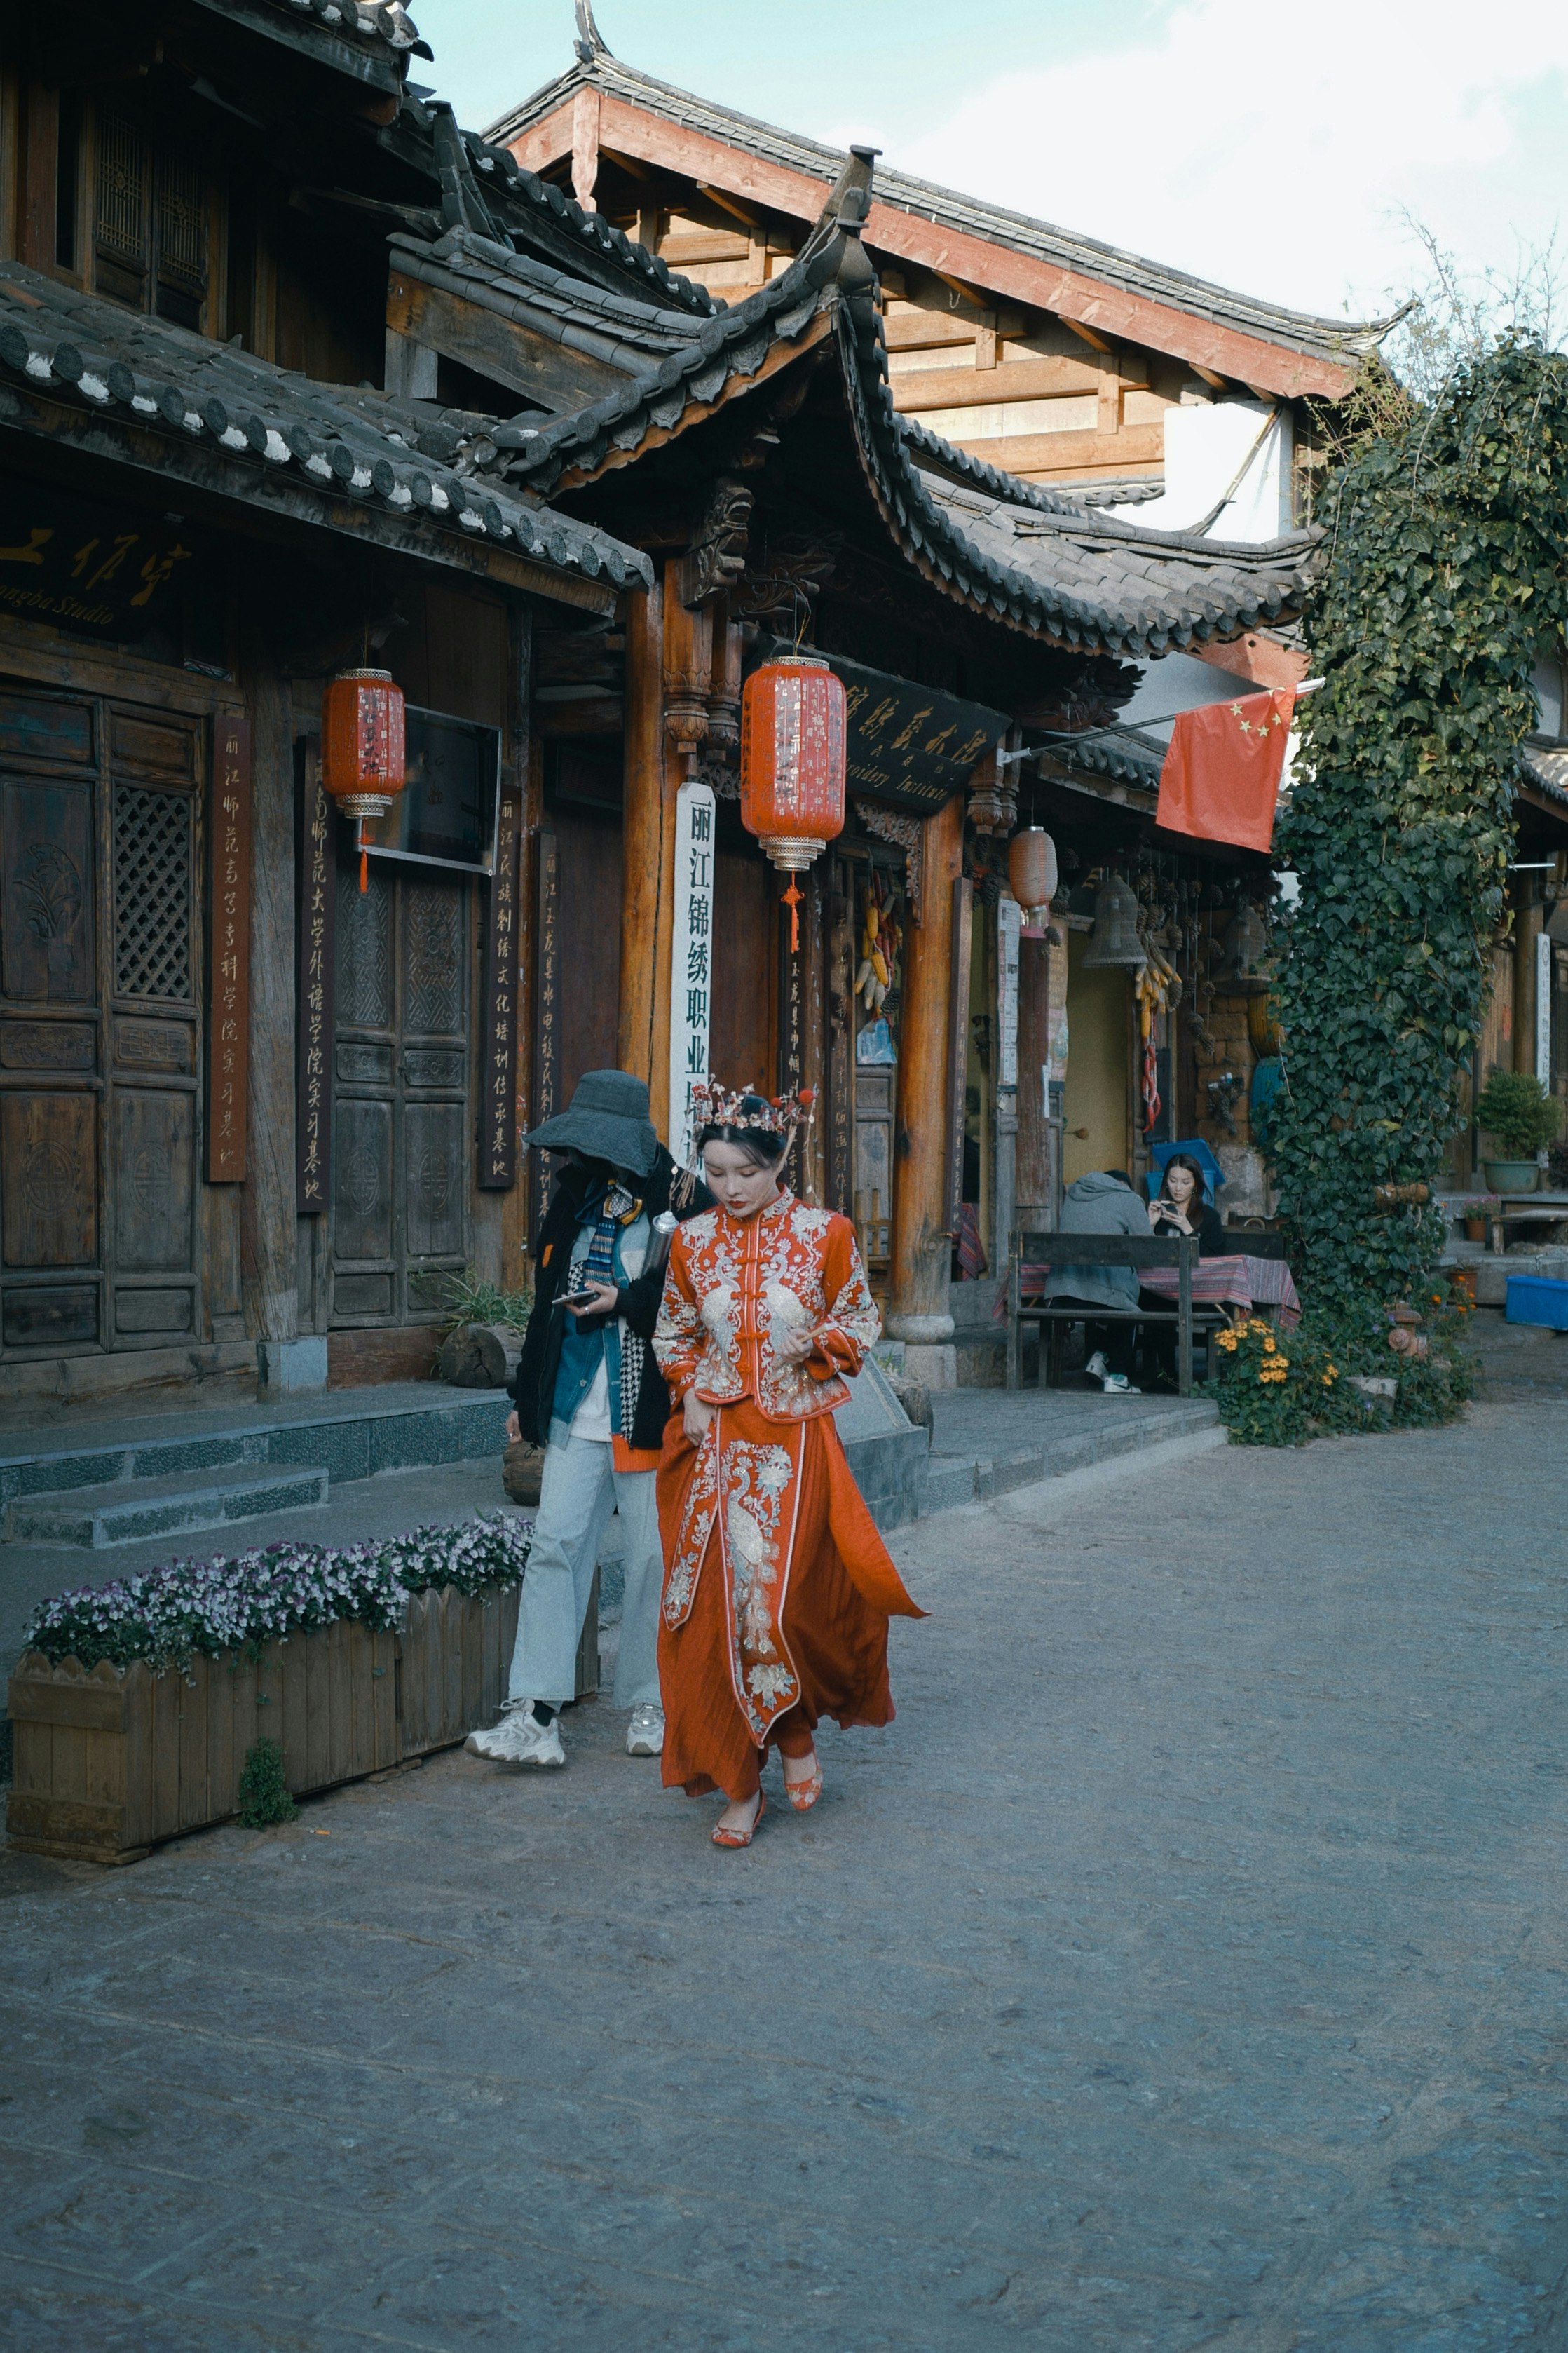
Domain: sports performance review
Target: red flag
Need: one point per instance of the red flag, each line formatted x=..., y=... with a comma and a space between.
x=1221, y=775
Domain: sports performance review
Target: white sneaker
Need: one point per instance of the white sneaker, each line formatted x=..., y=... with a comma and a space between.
x=1117, y=1385
x=1095, y=1368
x=645, y=1736
x=519, y=1739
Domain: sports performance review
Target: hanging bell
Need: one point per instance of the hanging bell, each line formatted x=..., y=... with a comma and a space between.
x=1245, y=951
x=1114, y=939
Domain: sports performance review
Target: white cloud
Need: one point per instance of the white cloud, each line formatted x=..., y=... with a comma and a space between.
x=1273, y=151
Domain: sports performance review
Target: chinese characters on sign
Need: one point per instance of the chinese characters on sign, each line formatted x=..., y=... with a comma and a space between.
x=1009, y=918
x=313, y=1052
x=546, y=1006
x=958, y=1044
x=228, y=961
x=690, y=959
x=97, y=571
x=498, y=1095
x=912, y=745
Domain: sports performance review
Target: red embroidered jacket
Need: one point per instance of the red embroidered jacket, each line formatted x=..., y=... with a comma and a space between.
x=732, y=1281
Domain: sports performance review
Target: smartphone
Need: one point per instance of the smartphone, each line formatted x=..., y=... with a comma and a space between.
x=577, y=1298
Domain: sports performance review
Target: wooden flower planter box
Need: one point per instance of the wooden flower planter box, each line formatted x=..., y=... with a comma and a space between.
x=109, y=1763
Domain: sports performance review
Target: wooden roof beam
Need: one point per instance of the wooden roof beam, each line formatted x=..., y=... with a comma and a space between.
x=1114, y=313
x=1096, y=342
x=747, y=214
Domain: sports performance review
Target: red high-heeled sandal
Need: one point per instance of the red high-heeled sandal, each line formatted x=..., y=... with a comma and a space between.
x=722, y=1837
x=803, y=1795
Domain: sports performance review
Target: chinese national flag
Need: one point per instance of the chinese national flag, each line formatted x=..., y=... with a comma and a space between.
x=1221, y=775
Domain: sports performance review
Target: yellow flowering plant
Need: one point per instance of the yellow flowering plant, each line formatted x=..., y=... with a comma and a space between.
x=1275, y=1388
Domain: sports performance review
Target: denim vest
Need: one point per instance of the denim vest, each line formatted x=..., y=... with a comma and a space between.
x=582, y=1353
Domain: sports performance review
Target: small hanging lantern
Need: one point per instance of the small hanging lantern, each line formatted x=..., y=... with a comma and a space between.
x=363, y=762
x=1032, y=877
x=793, y=765
x=1114, y=940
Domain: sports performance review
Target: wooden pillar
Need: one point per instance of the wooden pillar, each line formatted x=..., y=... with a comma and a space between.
x=1528, y=919
x=647, y=887
x=1032, y=1178
x=922, y=1245
x=39, y=176
x=269, y=1240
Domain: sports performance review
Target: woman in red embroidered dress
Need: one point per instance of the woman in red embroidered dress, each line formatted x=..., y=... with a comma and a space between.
x=777, y=1587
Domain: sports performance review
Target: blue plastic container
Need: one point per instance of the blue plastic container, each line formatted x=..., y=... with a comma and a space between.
x=1537, y=1299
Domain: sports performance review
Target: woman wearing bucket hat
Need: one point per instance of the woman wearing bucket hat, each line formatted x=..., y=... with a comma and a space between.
x=588, y=1391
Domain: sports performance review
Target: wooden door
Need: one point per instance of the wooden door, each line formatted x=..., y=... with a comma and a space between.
x=741, y=1045
x=100, y=1026
x=401, y=1110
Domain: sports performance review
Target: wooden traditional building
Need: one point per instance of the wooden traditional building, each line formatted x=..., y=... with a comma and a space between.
x=232, y=1149
x=1062, y=359
x=763, y=469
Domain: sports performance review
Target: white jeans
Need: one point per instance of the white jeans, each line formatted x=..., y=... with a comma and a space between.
x=579, y=1489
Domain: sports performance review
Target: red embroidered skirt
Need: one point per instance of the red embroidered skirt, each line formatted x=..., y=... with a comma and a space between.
x=776, y=1598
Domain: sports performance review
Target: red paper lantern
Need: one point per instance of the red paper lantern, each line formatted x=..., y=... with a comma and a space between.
x=364, y=761
x=792, y=764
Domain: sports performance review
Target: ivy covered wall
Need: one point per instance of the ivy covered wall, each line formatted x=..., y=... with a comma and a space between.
x=1445, y=571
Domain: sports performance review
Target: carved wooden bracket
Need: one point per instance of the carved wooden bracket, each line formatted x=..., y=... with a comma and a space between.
x=687, y=664
x=717, y=554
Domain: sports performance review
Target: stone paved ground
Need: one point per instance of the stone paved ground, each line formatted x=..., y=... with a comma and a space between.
x=1184, y=1969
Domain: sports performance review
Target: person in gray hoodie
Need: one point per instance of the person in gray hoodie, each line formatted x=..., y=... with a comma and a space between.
x=1103, y=1203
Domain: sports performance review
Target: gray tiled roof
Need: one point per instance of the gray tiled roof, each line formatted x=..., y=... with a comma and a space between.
x=378, y=29
x=485, y=190
x=1336, y=340
x=216, y=402
x=1014, y=550
x=627, y=334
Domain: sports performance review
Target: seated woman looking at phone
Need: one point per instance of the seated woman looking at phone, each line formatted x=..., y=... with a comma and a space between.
x=1182, y=1205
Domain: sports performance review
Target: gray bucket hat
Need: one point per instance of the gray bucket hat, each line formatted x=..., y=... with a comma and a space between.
x=606, y=1120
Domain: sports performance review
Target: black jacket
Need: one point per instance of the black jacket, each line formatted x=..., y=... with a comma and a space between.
x=533, y=1384
x=1212, y=1242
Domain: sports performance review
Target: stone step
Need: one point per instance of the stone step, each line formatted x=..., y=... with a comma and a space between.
x=134, y=1511
x=355, y=1436
x=969, y=1478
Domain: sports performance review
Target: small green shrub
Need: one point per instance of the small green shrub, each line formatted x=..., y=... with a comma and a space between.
x=1516, y=1108
x=1281, y=1389
x=264, y=1796
x=471, y=1299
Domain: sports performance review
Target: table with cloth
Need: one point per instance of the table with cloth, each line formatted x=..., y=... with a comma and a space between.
x=1239, y=1281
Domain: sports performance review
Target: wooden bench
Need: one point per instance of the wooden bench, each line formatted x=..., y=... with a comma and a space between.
x=1135, y=1251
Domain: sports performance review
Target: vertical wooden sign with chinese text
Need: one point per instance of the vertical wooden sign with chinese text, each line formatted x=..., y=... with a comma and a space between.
x=317, y=870
x=228, y=959
x=690, y=959
x=840, y=1067
x=498, y=1059
x=545, y=1038
x=958, y=1043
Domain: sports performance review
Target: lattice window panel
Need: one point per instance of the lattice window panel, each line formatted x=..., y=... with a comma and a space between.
x=152, y=893
x=182, y=225
x=121, y=180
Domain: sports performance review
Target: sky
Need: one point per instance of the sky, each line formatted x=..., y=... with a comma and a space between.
x=1273, y=151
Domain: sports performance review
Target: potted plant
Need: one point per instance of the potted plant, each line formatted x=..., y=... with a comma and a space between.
x=1473, y=1213
x=1516, y=1109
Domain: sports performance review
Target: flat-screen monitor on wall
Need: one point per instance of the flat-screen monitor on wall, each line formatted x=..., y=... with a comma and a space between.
x=445, y=813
